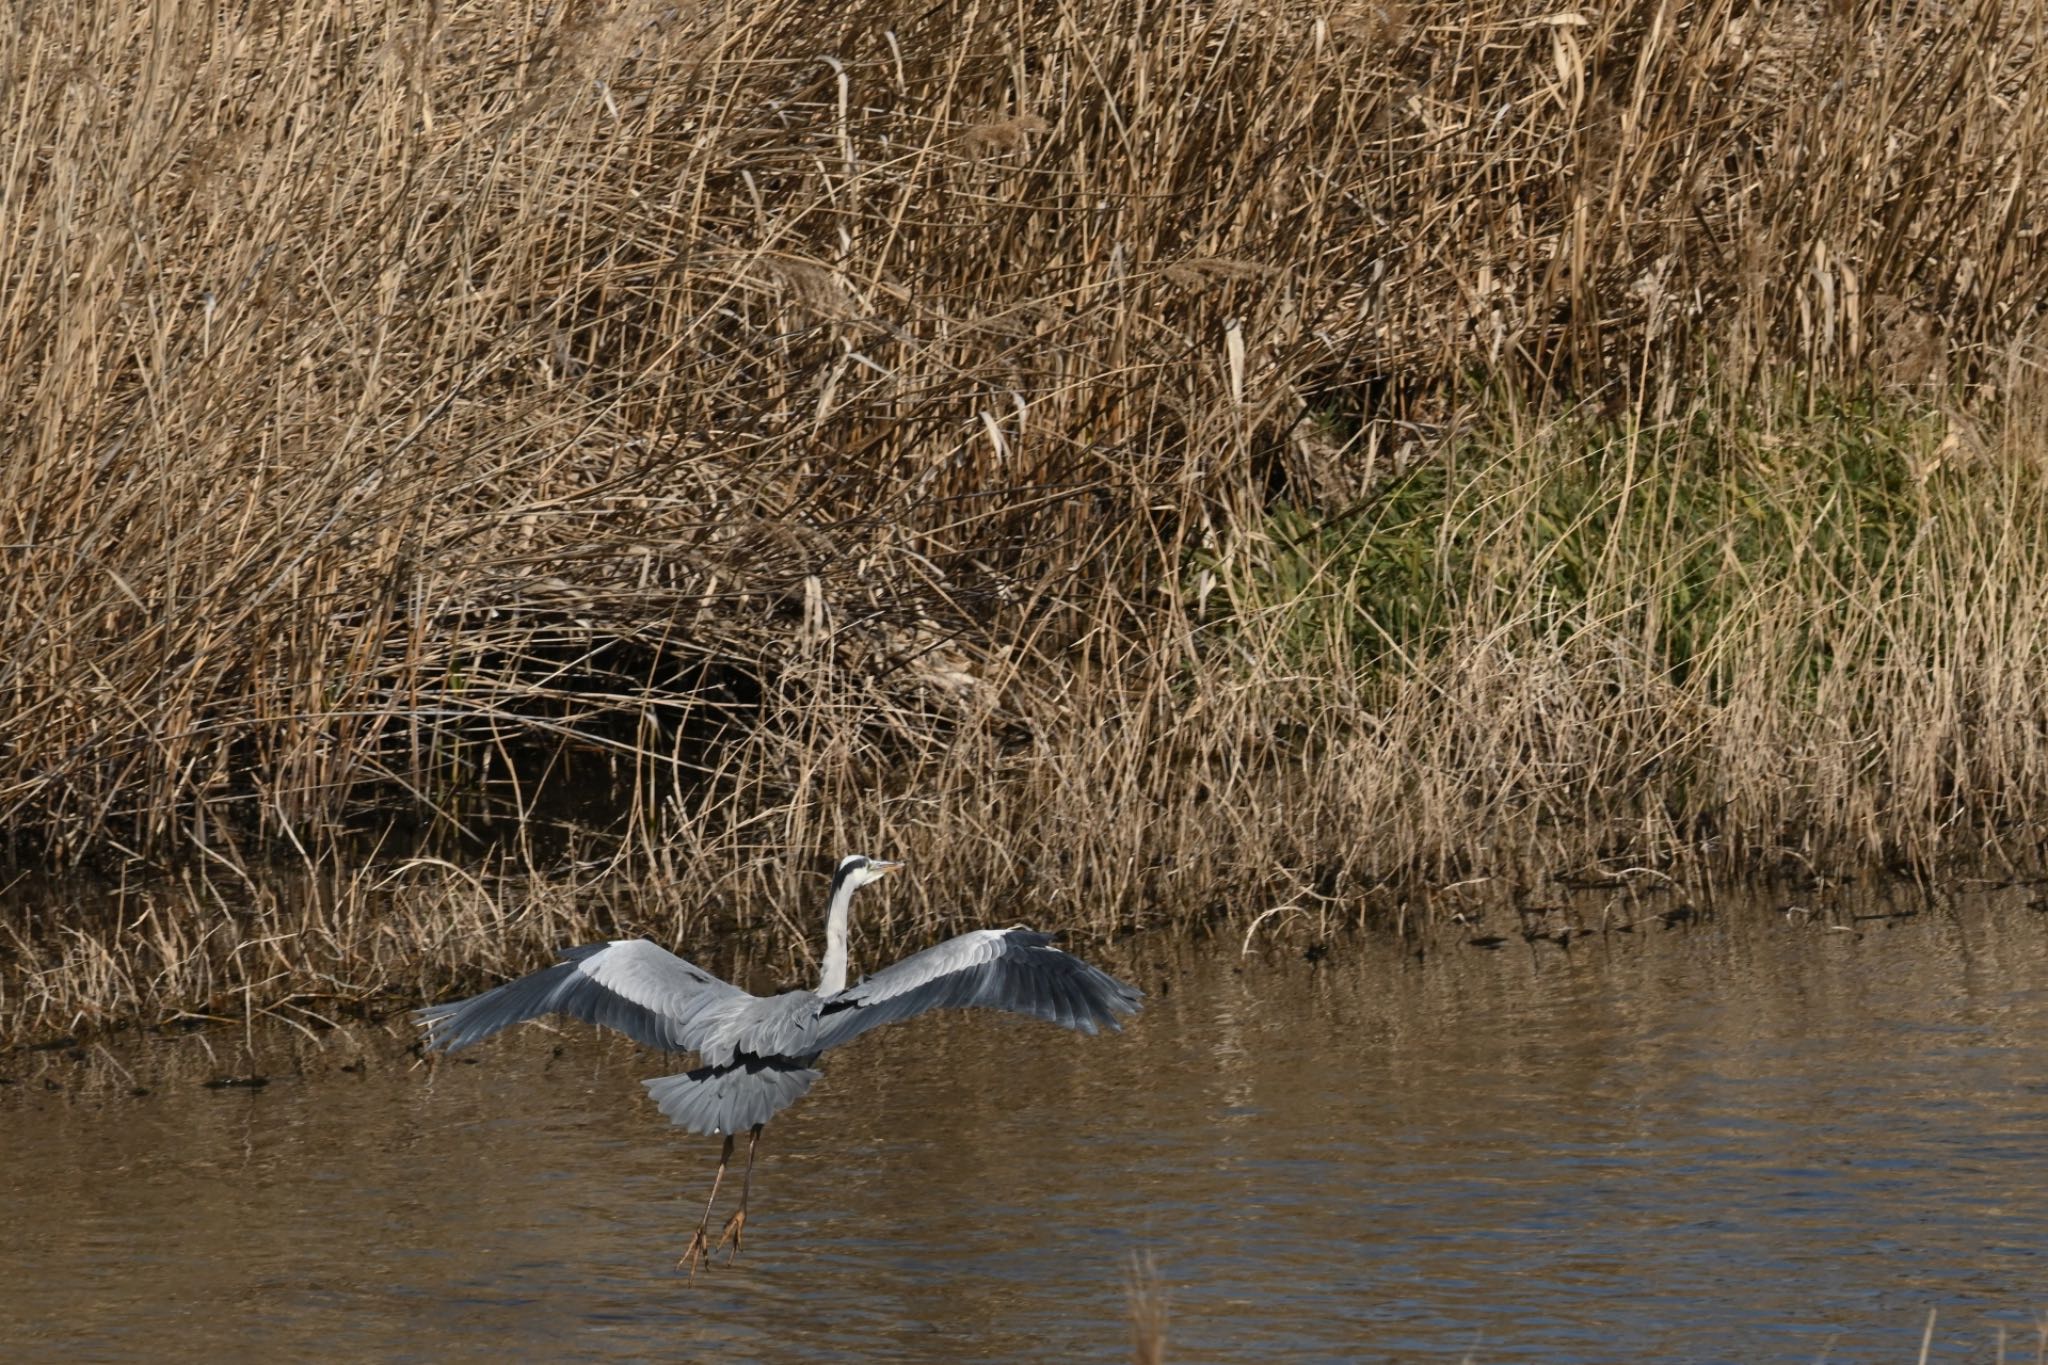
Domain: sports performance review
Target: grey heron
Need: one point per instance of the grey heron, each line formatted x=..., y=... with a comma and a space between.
x=758, y=1055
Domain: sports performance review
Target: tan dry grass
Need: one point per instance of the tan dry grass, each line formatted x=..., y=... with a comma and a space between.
x=387, y=380
x=403, y=401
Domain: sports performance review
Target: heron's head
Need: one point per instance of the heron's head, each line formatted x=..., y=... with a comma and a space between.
x=857, y=870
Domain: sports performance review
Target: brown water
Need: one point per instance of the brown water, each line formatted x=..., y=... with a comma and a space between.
x=1743, y=1140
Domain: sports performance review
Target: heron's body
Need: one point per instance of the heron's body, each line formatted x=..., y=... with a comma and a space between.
x=758, y=1054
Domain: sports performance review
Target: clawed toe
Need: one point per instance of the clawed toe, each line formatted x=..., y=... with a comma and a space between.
x=697, y=1253
x=734, y=1226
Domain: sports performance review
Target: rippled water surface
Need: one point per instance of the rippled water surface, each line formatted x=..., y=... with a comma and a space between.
x=1747, y=1140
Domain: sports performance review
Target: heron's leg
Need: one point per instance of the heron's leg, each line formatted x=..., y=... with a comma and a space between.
x=698, y=1251
x=738, y=1222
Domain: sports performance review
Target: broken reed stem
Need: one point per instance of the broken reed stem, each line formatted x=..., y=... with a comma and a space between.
x=1148, y=1311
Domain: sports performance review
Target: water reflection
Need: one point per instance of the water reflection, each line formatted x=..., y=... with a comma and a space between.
x=1747, y=1140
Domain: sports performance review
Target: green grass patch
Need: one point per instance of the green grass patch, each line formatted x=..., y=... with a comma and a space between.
x=1667, y=539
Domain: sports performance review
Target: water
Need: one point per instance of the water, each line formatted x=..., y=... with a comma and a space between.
x=1743, y=1140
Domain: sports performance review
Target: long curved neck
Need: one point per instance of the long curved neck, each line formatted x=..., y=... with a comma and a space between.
x=834, y=976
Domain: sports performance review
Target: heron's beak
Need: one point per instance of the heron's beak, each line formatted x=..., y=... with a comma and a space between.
x=878, y=865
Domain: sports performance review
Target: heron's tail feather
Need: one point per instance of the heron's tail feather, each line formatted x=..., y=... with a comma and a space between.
x=733, y=1096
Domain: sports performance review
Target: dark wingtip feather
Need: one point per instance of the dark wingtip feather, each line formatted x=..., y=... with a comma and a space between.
x=458, y=1023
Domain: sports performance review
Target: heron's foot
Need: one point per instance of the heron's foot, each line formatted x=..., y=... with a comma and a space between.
x=697, y=1253
x=734, y=1226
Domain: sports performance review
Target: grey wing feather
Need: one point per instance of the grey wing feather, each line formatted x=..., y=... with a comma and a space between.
x=1006, y=969
x=632, y=985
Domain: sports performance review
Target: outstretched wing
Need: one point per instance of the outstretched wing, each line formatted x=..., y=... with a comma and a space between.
x=1006, y=969
x=639, y=988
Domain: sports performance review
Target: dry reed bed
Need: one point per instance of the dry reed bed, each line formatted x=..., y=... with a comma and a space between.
x=810, y=416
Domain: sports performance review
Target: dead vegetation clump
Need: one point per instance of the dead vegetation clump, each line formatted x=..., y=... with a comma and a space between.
x=832, y=425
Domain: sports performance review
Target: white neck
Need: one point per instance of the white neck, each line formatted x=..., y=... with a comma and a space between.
x=834, y=977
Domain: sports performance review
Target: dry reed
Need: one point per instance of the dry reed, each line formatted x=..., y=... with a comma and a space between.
x=864, y=425
x=1146, y=1298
